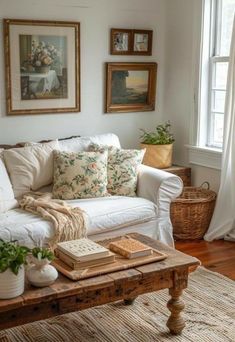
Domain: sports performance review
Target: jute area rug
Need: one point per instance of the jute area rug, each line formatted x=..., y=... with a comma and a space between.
x=209, y=315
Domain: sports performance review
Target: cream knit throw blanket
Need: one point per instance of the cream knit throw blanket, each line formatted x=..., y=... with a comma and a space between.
x=69, y=223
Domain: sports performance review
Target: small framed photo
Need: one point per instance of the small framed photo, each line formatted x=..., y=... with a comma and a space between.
x=120, y=42
x=42, y=66
x=131, y=42
x=142, y=42
x=130, y=87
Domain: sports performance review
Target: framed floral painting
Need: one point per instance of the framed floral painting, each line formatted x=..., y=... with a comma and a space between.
x=130, y=87
x=42, y=63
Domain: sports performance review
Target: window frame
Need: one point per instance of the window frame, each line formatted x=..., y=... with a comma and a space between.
x=199, y=153
x=212, y=112
x=215, y=57
x=210, y=56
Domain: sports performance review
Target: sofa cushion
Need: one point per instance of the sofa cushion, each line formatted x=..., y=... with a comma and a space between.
x=115, y=212
x=31, y=167
x=105, y=214
x=80, y=175
x=7, y=198
x=122, y=169
x=82, y=143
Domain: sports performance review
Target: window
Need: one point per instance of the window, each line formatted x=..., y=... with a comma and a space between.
x=217, y=38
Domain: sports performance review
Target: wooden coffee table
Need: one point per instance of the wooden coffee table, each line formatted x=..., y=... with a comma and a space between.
x=66, y=296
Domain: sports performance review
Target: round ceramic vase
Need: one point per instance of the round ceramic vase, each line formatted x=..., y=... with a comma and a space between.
x=11, y=285
x=41, y=273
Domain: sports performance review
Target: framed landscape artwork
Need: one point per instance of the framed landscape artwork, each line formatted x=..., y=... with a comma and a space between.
x=42, y=62
x=130, y=87
x=131, y=42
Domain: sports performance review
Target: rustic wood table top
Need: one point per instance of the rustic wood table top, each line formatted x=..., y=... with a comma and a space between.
x=66, y=295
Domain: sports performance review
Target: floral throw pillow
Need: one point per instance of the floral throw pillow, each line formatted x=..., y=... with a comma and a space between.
x=122, y=169
x=80, y=175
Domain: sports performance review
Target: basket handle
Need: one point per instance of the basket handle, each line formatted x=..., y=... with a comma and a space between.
x=207, y=185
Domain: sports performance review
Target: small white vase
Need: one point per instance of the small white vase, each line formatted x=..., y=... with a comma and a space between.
x=11, y=285
x=41, y=273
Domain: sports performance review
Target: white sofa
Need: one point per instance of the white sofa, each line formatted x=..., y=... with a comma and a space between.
x=148, y=213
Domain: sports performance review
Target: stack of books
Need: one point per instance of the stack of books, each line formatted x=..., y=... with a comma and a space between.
x=83, y=253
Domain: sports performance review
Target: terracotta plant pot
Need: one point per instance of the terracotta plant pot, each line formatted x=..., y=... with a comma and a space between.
x=159, y=156
x=11, y=285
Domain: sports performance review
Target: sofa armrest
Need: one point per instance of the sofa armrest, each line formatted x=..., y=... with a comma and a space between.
x=158, y=186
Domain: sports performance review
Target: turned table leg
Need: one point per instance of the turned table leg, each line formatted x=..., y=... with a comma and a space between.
x=175, y=322
x=129, y=301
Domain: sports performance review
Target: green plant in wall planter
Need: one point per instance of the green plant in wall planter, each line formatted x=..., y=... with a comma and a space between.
x=12, y=261
x=42, y=273
x=158, y=145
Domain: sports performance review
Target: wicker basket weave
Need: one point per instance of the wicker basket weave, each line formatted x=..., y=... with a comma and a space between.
x=191, y=212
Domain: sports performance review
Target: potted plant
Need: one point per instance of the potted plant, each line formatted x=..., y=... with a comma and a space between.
x=41, y=273
x=12, y=261
x=158, y=145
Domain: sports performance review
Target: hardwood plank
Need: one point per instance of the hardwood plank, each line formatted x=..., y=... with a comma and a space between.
x=65, y=287
x=170, y=265
x=225, y=267
x=127, y=275
x=122, y=290
x=27, y=314
x=11, y=304
x=218, y=256
x=96, y=283
x=34, y=295
x=202, y=245
x=208, y=257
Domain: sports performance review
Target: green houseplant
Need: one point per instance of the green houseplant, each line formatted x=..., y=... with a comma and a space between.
x=158, y=145
x=12, y=261
x=42, y=253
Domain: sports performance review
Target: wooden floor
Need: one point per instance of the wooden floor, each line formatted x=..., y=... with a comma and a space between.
x=218, y=256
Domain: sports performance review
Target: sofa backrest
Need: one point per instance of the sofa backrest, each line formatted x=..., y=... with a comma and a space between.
x=82, y=143
x=77, y=143
x=72, y=144
x=22, y=144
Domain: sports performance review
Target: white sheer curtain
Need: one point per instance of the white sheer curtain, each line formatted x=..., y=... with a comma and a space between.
x=223, y=221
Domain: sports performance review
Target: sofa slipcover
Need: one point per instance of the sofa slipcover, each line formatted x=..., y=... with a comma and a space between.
x=106, y=214
x=148, y=213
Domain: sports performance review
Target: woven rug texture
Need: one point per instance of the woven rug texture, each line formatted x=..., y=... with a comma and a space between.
x=209, y=315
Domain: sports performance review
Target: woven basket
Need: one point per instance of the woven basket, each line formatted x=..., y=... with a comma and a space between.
x=191, y=212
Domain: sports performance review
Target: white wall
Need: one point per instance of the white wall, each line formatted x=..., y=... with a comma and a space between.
x=175, y=24
x=182, y=45
x=96, y=18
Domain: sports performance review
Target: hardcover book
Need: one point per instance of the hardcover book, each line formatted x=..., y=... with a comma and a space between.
x=76, y=265
x=82, y=249
x=130, y=248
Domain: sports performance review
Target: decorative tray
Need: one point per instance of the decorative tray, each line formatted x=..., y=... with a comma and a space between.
x=120, y=263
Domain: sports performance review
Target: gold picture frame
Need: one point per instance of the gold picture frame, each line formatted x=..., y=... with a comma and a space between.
x=42, y=66
x=130, y=87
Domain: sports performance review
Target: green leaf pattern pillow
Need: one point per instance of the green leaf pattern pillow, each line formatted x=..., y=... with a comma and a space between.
x=80, y=175
x=122, y=169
